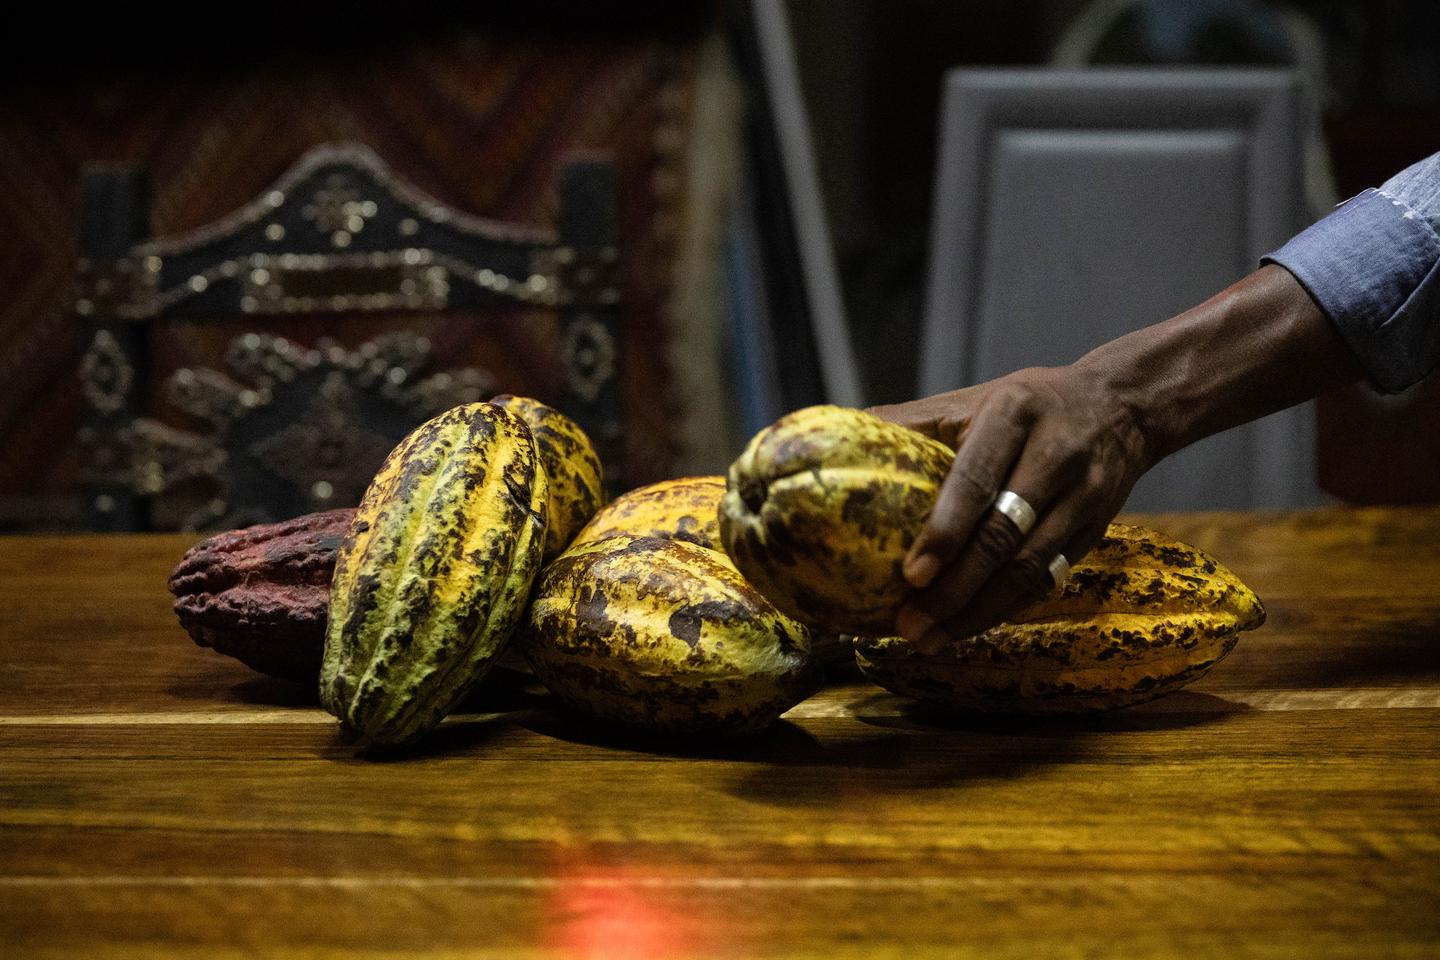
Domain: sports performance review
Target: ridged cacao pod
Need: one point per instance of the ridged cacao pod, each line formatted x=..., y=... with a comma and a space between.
x=821, y=508
x=260, y=594
x=434, y=572
x=684, y=509
x=665, y=636
x=571, y=465
x=1140, y=616
x=687, y=509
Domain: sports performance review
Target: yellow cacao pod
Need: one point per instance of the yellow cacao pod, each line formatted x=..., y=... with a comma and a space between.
x=665, y=636
x=684, y=509
x=434, y=572
x=572, y=468
x=1140, y=616
x=821, y=508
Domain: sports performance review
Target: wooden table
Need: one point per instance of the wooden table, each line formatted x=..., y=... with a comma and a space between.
x=157, y=799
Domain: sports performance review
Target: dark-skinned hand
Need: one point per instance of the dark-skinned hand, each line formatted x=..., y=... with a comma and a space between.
x=1073, y=440
x=1056, y=436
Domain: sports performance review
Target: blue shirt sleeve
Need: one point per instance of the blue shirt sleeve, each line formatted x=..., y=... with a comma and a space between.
x=1373, y=267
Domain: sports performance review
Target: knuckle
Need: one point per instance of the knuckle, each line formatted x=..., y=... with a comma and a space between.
x=1015, y=393
x=996, y=540
x=974, y=483
x=1060, y=452
x=1094, y=481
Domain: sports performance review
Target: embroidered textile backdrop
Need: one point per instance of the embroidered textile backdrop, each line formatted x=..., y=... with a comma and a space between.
x=479, y=123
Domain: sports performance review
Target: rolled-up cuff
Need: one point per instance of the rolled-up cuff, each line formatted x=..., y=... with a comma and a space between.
x=1373, y=267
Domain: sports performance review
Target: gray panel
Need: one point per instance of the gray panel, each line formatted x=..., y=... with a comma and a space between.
x=1114, y=190
x=1075, y=206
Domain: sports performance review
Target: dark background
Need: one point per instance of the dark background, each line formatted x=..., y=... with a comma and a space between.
x=476, y=106
x=872, y=73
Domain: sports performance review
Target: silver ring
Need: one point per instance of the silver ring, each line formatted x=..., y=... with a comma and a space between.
x=1016, y=510
x=1059, y=569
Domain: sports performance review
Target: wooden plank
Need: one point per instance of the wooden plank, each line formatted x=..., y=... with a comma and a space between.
x=1062, y=793
x=614, y=916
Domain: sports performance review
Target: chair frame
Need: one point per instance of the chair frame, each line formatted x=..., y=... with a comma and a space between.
x=303, y=248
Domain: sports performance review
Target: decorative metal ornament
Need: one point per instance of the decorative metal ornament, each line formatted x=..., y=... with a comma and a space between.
x=292, y=429
x=337, y=207
x=340, y=211
x=588, y=352
x=106, y=376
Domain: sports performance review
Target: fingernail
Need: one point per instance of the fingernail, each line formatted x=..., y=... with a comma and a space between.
x=913, y=624
x=922, y=570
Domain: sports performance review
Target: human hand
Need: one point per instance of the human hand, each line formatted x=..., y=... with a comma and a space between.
x=1073, y=440
x=1056, y=436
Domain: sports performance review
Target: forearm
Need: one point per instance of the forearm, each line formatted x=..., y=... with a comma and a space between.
x=1257, y=347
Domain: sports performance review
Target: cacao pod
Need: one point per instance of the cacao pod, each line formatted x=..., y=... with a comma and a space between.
x=666, y=636
x=572, y=469
x=687, y=509
x=821, y=508
x=434, y=572
x=260, y=594
x=684, y=509
x=1140, y=616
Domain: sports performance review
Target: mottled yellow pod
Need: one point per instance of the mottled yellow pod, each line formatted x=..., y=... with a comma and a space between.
x=684, y=509
x=1140, y=616
x=821, y=508
x=665, y=636
x=571, y=466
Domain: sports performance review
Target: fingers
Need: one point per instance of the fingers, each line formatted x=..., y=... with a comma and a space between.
x=991, y=445
x=1027, y=577
x=994, y=542
x=1046, y=476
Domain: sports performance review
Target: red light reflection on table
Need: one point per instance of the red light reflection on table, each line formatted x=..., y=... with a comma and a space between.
x=624, y=913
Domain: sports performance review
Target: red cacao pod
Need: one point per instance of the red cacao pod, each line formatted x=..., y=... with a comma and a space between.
x=261, y=594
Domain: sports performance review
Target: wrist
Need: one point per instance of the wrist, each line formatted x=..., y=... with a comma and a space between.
x=1259, y=346
x=1139, y=414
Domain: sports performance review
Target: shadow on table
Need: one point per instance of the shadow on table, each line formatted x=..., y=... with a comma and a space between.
x=456, y=737
x=274, y=692
x=1183, y=708
x=1374, y=643
x=214, y=679
x=504, y=702
x=500, y=690
x=771, y=745
x=891, y=763
x=926, y=747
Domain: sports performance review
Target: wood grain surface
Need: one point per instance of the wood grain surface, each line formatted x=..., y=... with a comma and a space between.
x=159, y=800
